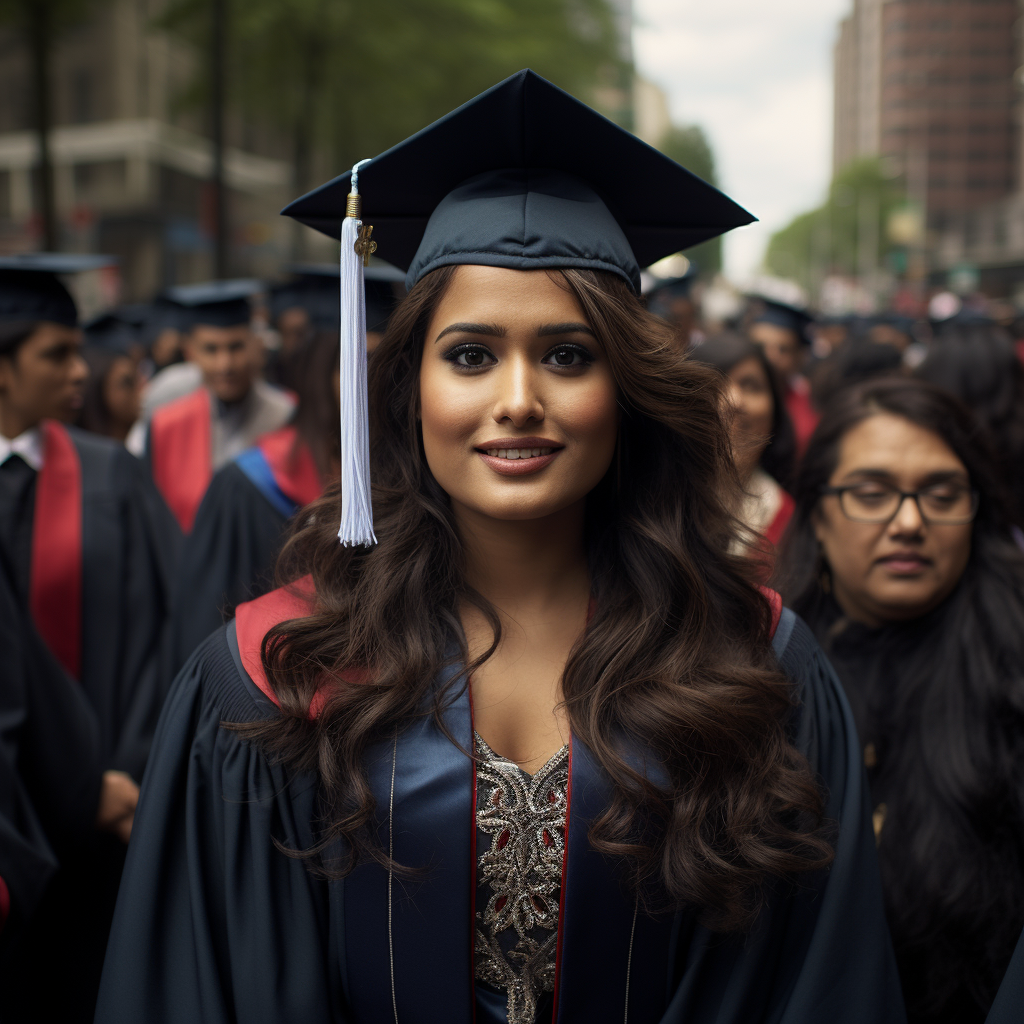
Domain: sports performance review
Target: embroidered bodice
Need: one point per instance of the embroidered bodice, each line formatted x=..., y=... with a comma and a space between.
x=520, y=822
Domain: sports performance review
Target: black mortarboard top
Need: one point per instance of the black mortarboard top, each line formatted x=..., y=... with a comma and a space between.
x=215, y=303
x=314, y=287
x=31, y=290
x=670, y=278
x=782, y=314
x=111, y=331
x=525, y=176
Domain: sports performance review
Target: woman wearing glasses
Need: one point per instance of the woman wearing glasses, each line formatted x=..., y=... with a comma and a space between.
x=901, y=559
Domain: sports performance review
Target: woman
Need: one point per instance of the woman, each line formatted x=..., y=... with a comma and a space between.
x=113, y=393
x=978, y=363
x=532, y=756
x=240, y=526
x=904, y=565
x=761, y=435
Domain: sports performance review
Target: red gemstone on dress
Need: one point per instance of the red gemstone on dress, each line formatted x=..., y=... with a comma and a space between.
x=551, y=796
x=496, y=798
x=499, y=903
x=548, y=841
x=503, y=839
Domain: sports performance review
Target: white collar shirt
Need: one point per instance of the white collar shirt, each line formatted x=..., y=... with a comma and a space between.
x=28, y=445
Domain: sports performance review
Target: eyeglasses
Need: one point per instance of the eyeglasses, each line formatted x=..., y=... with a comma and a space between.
x=940, y=505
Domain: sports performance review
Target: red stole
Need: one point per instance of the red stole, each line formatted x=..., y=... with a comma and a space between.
x=802, y=414
x=777, y=527
x=181, y=453
x=55, y=579
x=291, y=462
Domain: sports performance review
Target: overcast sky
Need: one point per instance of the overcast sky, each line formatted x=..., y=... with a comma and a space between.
x=756, y=75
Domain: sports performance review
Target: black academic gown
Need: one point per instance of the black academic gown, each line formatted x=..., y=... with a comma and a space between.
x=130, y=548
x=215, y=923
x=228, y=557
x=49, y=791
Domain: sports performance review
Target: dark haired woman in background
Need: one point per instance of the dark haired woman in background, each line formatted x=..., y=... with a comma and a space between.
x=978, y=363
x=761, y=435
x=540, y=753
x=240, y=526
x=113, y=393
x=903, y=563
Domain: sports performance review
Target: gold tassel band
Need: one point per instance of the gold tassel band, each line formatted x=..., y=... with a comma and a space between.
x=354, y=206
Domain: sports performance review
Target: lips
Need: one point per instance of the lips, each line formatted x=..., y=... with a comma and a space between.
x=518, y=456
x=905, y=563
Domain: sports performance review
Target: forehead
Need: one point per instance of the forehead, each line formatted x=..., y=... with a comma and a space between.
x=897, y=446
x=497, y=295
x=206, y=334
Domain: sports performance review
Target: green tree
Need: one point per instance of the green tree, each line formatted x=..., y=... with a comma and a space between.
x=349, y=80
x=847, y=234
x=690, y=147
x=41, y=23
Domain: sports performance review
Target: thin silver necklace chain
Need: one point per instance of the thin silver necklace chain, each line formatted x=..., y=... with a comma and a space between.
x=391, y=878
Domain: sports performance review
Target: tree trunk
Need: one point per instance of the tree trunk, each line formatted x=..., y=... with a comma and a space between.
x=40, y=45
x=218, y=54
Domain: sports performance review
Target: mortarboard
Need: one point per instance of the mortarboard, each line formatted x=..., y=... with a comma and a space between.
x=111, y=331
x=215, y=303
x=782, y=314
x=31, y=289
x=314, y=287
x=525, y=177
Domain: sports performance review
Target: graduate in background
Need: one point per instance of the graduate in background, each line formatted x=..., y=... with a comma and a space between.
x=112, y=401
x=90, y=548
x=782, y=331
x=193, y=436
x=627, y=820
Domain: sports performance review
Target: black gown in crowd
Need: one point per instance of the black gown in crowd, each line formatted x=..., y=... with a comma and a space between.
x=874, y=666
x=49, y=793
x=228, y=557
x=130, y=548
x=215, y=923
x=129, y=553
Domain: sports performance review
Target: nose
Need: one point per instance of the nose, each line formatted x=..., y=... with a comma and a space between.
x=908, y=520
x=518, y=401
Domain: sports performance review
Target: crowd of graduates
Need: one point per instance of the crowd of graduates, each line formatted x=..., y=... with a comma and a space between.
x=152, y=459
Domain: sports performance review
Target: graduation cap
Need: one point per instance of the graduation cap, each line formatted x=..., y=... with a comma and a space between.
x=111, y=331
x=214, y=303
x=524, y=176
x=782, y=314
x=31, y=289
x=314, y=288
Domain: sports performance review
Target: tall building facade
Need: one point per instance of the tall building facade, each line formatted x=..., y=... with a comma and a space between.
x=930, y=84
x=132, y=161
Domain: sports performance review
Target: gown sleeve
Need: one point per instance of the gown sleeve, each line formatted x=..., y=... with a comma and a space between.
x=1008, y=1007
x=152, y=542
x=820, y=950
x=214, y=923
x=228, y=558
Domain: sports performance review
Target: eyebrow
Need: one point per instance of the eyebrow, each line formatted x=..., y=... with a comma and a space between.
x=571, y=327
x=939, y=476
x=491, y=330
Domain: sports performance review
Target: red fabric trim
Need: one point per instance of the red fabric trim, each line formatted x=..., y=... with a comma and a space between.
x=5, y=903
x=292, y=464
x=777, y=527
x=55, y=583
x=774, y=598
x=181, y=453
x=561, y=893
x=803, y=414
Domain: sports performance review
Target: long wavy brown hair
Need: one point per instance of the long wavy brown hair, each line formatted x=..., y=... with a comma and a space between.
x=676, y=658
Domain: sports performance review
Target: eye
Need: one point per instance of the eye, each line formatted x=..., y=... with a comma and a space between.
x=471, y=357
x=871, y=494
x=568, y=356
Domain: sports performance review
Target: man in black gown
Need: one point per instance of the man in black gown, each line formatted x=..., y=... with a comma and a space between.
x=91, y=550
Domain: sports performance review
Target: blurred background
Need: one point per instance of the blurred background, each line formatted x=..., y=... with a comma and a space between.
x=878, y=140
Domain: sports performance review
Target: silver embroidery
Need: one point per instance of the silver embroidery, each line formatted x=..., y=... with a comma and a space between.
x=524, y=815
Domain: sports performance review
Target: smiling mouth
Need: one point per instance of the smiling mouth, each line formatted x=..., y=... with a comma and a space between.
x=517, y=453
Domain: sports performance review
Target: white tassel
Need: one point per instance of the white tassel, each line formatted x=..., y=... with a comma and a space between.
x=356, y=502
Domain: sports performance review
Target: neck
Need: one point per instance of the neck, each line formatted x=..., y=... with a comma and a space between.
x=526, y=564
x=12, y=425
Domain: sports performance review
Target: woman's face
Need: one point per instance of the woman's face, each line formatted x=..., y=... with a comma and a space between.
x=750, y=396
x=518, y=403
x=122, y=392
x=895, y=571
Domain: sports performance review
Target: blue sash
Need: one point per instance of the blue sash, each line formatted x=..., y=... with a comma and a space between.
x=253, y=463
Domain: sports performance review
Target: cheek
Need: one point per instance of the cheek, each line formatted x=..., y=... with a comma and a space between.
x=449, y=414
x=847, y=547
